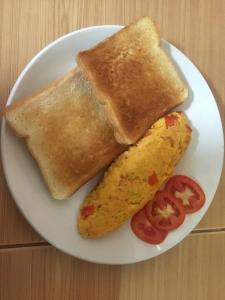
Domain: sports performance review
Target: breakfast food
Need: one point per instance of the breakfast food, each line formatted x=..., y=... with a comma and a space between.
x=144, y=230
x=181, y=195
x=66, y=131
x=165, y=212
x=134, y=178
x=134, y=78
x=187, y=191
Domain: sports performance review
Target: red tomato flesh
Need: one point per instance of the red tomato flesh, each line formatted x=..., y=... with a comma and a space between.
x=187, y=191
x=171, y=120
x=165, y=212
x=152, y=179
x=145, y=231
x=87, y=210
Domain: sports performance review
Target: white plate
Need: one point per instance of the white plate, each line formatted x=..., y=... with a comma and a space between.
x=56, y=220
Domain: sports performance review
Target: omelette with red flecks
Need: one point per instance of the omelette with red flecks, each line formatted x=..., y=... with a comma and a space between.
x=134, y=178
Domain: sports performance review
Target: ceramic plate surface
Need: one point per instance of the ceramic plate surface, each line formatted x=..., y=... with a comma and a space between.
x=56, y=220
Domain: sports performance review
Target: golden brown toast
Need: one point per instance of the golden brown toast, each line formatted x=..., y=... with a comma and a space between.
x=66, y=132
x=134, y=78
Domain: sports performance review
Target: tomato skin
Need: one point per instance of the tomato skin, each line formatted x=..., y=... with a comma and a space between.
x=145, y=231
x=178, y=184
x=165, y=212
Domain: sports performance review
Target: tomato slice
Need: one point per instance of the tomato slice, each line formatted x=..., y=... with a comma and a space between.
x=145, y=231
x=165, y=212
x=187, y=191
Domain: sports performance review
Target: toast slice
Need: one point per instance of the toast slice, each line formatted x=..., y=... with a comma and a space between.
x=66, y=132
x=134, y=78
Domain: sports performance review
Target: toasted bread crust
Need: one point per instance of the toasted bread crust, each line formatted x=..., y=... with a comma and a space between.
x=40, y=93
x=134, y=78
x=66, y=133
